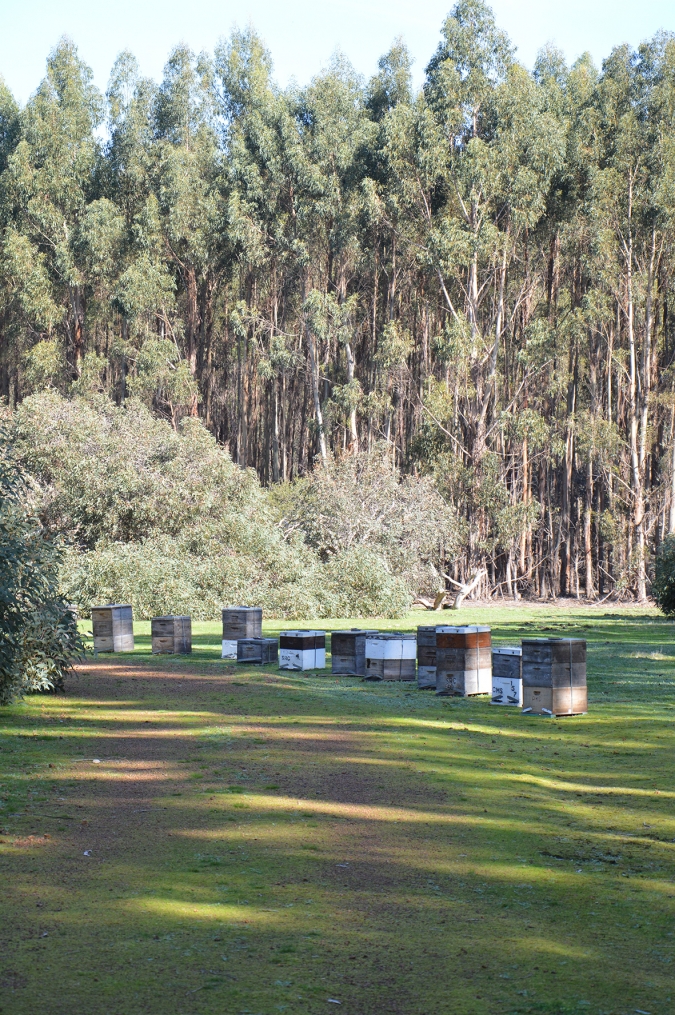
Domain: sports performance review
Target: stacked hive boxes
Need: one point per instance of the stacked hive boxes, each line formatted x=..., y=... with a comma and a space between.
x=240, y=622
x=507, y=681
x=426, y=657
x=348, y=651
x=302, y=650
x=257, y=650
x=391, y=656
x=463, y=660
x=554, y=676
x=113, y=628
x=172, y=635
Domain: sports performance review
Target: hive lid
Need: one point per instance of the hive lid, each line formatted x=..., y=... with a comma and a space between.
x=113, y=606
x=464, y=629
x=507, y=650
x=355, y=630
x=301, y=633
x=392, y=635
x=553, y=641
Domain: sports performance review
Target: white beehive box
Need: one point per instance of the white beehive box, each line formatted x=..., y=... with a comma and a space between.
x=507, y=682
x=302, y=650
x=229, y=648
x=391, y=656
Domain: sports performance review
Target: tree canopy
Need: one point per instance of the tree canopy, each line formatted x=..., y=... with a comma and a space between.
x=479, y=277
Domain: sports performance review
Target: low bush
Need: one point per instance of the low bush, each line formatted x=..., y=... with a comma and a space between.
x=39, y=640
x=163, y=519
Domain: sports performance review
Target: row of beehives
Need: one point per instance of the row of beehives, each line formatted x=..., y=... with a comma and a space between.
x=546, y=676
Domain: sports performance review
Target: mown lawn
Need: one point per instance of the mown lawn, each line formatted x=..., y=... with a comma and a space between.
x=190, y=836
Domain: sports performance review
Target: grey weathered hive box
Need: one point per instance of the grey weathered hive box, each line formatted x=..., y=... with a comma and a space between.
x=348, y=652
x=507, y=661
x=240, y=622
x=391, y=656
x=554, y=676
x=113, y=628
x=172, y=635
x=426, y=657
x=463, y=660
x=257, y=650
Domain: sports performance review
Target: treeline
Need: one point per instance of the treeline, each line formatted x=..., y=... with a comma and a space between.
x=481, y=275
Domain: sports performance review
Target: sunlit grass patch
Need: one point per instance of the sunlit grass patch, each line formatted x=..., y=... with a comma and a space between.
x=226, y=838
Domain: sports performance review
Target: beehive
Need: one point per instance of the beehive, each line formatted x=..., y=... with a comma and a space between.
x=426, y=657
x=463, y=660
x=257, y=650
x=391, y=656
x=554, y=676
x=507, y=681
x=113, y=628
x=172, y=635
x=302, y=650
x=348, y=651
x=240, y=622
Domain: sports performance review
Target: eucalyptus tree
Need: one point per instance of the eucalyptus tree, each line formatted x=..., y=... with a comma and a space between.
x=191, y=199
x=266, y=171
x=51, y=176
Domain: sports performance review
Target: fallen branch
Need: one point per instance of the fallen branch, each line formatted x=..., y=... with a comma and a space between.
x=465, y=588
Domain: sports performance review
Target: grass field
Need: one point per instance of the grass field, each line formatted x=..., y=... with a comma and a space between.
x=190, y=836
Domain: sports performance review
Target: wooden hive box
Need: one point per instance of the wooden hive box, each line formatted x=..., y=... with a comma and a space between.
x=463, y=660
x=113, y=628
x=507, y=681
x=240, y=622
x=348, y=652
x=554, y=676
x=172, y=635
x=302, y=650
x=391, y=656
x=426, y=657
x=257, y=650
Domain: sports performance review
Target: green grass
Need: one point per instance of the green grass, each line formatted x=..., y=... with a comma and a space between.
x=263, y=842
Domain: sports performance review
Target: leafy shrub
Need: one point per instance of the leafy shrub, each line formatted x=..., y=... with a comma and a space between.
x=163, y=519
x=38, y=633
x=663, y=587
x=361, y=501
x=358, y=583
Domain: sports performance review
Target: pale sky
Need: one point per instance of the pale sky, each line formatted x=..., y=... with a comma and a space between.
x=301, y=34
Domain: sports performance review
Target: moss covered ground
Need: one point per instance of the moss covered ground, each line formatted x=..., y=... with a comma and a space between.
x=184, y=836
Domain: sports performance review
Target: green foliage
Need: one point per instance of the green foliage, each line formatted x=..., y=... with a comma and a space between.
x=163, y=519
x=663, y=586
x=362, y=501
x=480, y=274
x=358, y=582
x=38, y=632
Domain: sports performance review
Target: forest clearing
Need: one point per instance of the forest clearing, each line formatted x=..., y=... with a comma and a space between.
x=287, y=353
x=194, y=836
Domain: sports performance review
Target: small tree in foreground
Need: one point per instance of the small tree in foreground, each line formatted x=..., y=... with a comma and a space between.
x=663, y=587
x=39, y=639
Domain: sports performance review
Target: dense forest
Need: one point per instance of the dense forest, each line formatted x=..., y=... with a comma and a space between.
x=474, y=283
